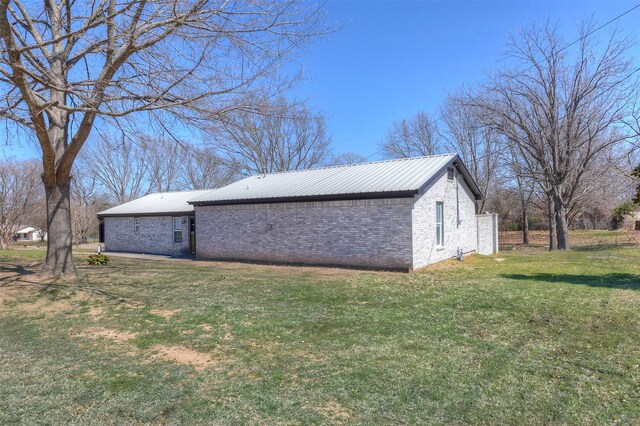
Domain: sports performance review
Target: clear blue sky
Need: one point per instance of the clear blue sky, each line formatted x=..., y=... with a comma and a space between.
x=392, y=59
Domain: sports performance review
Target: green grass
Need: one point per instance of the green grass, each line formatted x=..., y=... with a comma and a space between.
x=537, y=338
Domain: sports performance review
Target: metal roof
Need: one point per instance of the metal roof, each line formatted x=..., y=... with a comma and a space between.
x=402, y=177
x=156, y=204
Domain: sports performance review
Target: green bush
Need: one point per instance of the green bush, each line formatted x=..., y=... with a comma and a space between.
x=537, y=223
x=98, y=259
x=624, y=209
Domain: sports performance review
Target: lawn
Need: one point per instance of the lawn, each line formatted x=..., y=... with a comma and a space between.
x=523, y=337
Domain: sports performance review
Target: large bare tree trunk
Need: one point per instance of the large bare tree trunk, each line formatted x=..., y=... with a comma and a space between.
x=59, y=260
x=553, y=242
x=525, y=224
x=562, y=225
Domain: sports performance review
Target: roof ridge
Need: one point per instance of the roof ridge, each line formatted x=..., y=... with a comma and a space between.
x=336, y=166
x=176, y=192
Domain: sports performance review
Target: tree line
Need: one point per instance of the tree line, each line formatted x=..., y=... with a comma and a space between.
x=553, y=134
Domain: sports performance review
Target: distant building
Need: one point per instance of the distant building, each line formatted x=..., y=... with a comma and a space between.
x=30, y=233
x=400, y=214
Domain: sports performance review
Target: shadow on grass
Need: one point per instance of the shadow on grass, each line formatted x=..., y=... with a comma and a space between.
x=617, y=280
x=16, y=275
x=16, y=269
x=603, y=246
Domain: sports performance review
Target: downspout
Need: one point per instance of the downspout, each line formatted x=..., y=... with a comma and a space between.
x=456, y=175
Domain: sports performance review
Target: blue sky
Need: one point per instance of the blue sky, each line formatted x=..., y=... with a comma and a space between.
x=391, y=59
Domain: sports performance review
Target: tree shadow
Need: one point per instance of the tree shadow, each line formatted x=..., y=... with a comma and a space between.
x=15, y=269
x=10, y=273
x=603, y=246
x=616, y=280
x=16, y=275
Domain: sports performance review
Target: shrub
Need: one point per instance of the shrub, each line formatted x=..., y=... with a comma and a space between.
x=624, y=209
x=537, y=224
x=98, y=259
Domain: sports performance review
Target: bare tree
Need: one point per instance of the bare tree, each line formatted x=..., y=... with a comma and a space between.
x=204, y=169
x=67, y=65
x=85, y=203
x=562, y=109
x=525, y=186
x=417, y=136
x=119, y=166
x=477, y=144
x=165, y=159
x=19, y=183
x=347, y=158
x=606, y=184
x=274, y=137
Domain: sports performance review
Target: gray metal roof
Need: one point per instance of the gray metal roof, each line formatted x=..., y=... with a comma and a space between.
x=380, y=178
x=156, y=204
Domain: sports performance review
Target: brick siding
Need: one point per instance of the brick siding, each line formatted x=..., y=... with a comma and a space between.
x=155, y=235
x=371, y=233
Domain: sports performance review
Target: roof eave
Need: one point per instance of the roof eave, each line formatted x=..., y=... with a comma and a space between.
x=477, y=192
x=186, y=213
x=307, y=198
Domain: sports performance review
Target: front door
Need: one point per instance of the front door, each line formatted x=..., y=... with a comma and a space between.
x=192, y=235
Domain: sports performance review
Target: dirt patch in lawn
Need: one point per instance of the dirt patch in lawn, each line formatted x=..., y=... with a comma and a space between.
x=105, y=333
x=184, y=356
x=32, y=301
x=228, y=333
x=335, y=411
x=34, y=293
x=177, y=354
x=44, y=305
x=96, y=313
x=165, y=313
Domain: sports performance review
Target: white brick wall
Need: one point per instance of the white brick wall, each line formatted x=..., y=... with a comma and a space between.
x=456, y=234
x=487, y=233
x=373, y=233
x=155, y=235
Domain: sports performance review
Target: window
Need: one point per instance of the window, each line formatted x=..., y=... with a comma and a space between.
x=136, y=225
x=450, y=175
x=439, y=223
x=177, y=229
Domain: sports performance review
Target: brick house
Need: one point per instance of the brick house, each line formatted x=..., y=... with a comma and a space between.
x=160, y=223
x=400, y=214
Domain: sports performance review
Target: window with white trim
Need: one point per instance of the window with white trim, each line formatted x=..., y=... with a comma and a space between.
x=439, y=223
x=177, y=230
